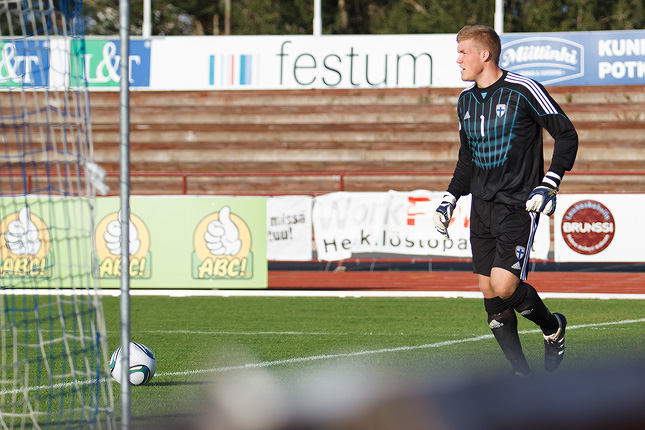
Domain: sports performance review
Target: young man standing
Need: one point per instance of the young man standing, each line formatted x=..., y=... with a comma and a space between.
x=501, y=117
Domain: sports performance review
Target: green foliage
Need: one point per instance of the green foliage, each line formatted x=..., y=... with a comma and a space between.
x=573, y=15
x=257, y=17
x=271, y=17
x=102, y=17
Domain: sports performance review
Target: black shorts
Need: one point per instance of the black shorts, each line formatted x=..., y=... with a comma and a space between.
x=501, y=236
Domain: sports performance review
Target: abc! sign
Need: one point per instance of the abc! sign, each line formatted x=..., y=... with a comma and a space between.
x=588, y=227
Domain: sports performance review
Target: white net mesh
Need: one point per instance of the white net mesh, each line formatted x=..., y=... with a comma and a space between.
x=53, y=369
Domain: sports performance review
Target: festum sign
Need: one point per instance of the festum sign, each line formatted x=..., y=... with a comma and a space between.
x=322, y=62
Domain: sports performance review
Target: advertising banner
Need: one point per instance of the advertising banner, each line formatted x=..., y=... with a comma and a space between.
x=301, y=62
x=289, y=228
x=174, y=242
x=24, y=63
x=396, y=223
x=38, y=241
x=388, y=61
x=599, y=228
x=577, y=58
x=181, y=63
x=102, y=62
x=184, y=242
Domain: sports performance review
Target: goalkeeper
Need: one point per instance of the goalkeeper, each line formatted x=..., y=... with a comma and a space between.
x=500, y=162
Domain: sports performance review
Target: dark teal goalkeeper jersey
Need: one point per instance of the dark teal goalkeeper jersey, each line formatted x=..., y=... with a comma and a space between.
x=501, y=154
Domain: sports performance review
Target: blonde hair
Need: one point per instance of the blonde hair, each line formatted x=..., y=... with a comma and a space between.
x=484, y=37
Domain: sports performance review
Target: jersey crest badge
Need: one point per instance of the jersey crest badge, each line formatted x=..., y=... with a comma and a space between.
x=500, y=110
x=520, y=252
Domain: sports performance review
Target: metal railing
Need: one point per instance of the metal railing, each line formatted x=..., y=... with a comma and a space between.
x=341, y=176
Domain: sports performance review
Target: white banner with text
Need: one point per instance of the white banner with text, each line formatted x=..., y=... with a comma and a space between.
x=599, y=228
x=281, y=62
x=289, y=229
x=396, y=223
x=301, y=62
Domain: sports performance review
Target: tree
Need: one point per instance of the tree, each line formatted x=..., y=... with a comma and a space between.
x=102, y=18
x=272, y=17
x=428, y=16
x=365, y=16
x=574, y=15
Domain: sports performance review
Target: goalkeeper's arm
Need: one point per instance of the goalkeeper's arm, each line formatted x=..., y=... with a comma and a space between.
x=459, y=186
x=543, y=197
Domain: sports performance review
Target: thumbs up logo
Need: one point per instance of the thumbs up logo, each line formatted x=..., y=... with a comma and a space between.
x=24, y=245
x=222, y=235
x=108, y=247
x=222, y=244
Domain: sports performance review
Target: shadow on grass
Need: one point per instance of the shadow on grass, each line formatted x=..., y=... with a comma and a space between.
x=177, y=383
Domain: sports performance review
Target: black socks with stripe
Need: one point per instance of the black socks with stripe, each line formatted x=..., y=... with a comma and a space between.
x=526, y=301
x=503, y=323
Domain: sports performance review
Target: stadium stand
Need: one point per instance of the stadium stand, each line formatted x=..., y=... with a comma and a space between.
x=320, y=141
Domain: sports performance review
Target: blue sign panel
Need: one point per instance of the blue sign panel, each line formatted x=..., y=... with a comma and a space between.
x=24, y=63
x=577, y=58
x=103, y=60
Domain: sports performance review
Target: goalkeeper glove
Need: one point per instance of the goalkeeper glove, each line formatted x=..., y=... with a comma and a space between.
x=543, y=197
x=444, y=213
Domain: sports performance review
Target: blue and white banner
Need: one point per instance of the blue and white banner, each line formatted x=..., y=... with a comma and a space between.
x=577, y=58
x=102, y=63
x=323, y=62
x=24, y=63
x=387, y=61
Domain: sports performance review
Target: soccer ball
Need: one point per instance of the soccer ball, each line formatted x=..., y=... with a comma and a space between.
x=142, y=364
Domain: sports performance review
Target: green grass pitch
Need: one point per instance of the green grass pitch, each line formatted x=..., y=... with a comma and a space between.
x=197, y=340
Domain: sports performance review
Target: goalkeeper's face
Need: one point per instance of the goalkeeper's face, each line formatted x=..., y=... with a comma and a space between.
x=471, y=59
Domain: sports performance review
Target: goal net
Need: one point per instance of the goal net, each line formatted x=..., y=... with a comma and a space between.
x=54, y=359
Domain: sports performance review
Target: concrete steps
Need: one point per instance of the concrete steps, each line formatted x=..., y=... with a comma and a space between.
x=321, y=133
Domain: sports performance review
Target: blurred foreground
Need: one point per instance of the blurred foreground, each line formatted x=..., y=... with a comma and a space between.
x=598, y=398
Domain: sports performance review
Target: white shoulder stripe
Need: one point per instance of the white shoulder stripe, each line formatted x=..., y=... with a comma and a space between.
x=537, y=92
x=466, y=89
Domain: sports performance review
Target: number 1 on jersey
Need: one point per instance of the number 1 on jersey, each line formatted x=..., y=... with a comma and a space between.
x=482, y=125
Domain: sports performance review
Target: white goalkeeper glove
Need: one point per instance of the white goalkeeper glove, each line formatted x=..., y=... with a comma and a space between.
x=443, y=214
x=543, y=197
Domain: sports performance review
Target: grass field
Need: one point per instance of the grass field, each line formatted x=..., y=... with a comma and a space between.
x=201, y=342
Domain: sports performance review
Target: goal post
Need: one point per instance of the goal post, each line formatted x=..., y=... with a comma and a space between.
x=54, y=370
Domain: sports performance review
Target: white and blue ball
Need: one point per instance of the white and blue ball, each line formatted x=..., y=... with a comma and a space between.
x=142, y=364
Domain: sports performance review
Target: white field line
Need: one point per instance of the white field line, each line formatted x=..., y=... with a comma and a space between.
x=326, y=356
x=260, y=333
x=306, y=333
x=310, y=293
x=376, y=351
x=356, y=294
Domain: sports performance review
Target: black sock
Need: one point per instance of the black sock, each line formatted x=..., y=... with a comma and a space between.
x=503, y=323
x=526, y=301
